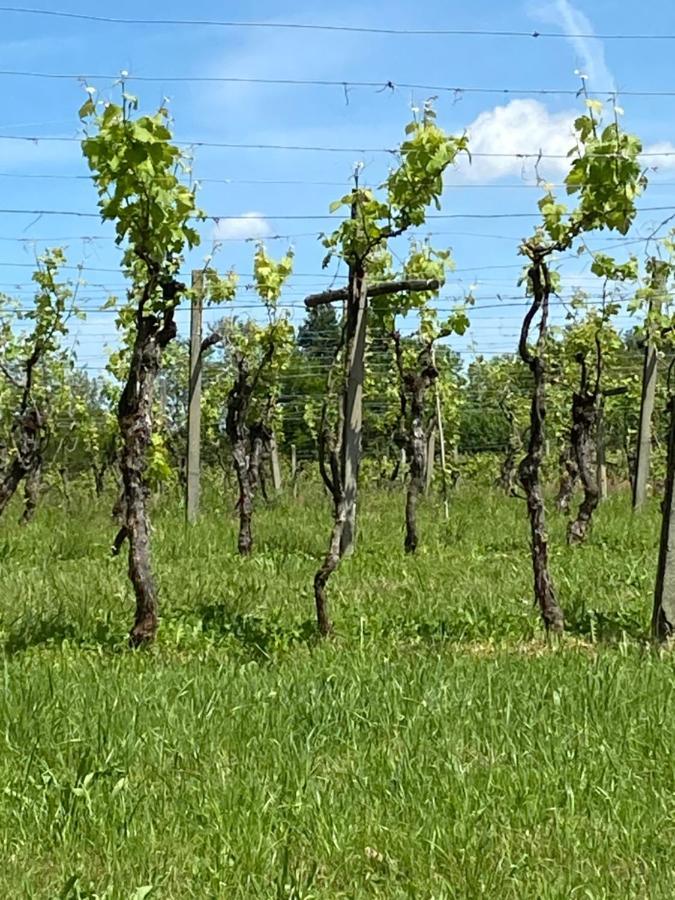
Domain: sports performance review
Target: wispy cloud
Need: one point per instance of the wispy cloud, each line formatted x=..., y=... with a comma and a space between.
x=590, y=51
x=250, y=226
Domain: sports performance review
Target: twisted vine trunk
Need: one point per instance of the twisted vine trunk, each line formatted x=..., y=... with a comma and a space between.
x=530, y=467
x=29, y=439
x=245, y=501
x=247, y=454
x=508, y=473
x=584, y=420
x=417, y=386
x=134, y=416
x=329, y=565
x=248, y=444
x=569, y=475
x=417, y=449
x=99, y=479
x=31, y=494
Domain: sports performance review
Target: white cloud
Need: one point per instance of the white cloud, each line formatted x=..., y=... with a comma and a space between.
x=528, y=126
x=521, y=126
x=249, y=226
x=590, y=51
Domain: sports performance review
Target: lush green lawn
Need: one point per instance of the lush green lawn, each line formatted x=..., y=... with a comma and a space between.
x=437, y=748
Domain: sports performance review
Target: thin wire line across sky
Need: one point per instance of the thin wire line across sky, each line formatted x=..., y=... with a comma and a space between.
x=221, y=145
x=310, y=217
x=380, y=86
x=299, y=182
x=426, y=31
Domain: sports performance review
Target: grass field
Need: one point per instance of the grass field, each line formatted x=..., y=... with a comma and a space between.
x=435, y=749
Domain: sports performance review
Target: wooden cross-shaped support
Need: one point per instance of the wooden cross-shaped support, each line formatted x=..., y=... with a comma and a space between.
x=356, y=295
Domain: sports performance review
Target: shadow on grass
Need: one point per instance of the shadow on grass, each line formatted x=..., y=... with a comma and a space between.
x=604, y=626
x=259, y=637
x=42, y=630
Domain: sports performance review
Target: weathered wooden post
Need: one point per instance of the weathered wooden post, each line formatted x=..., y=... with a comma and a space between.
x=644, y=439
x=601, y=454
x=663, y=617
x=431, y=458
x=195, y=400
x=441, y=444
x=660, y=272
x=277, y=482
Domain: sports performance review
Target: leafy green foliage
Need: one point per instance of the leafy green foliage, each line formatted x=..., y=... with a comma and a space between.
x=136, y=169
x=266, y=347
x=414, y=185
x=32, y=356
x=605, y=177
x=219, y=288
x=270, y=275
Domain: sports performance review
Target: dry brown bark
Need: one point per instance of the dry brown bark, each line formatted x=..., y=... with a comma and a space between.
x=247, y=444
x=508, y=474
x=569, y=476
x=134, y=416
x=413, y=387
x=31, y=494
x=582, y=439
x=30, y=434
x=530, y=467
x=332, y=476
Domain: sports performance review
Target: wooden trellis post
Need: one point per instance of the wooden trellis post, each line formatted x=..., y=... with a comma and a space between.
x=644, y=440
x=660, y=272
x=663, y=618
x=195, y=400
x=277, y=483
x=441, y=443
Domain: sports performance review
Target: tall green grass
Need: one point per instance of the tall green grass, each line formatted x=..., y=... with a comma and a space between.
x=437, y=748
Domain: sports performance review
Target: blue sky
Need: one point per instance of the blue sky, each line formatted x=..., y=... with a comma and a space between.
x=484, y=249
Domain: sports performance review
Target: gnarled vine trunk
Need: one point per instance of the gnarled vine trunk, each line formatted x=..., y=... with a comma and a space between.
x=584, y=417
x=329, y=565
x=247, y=444
x=134, y=415
x=530, y=467
x=31, y=493
x=413, y=438
x=508, y=473
x=29, y=438
x=418, y=455
x=331, y=472
x=569, y=475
